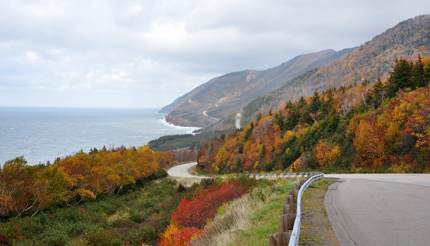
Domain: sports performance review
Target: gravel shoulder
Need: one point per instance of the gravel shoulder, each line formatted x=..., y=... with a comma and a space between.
x=315, y=228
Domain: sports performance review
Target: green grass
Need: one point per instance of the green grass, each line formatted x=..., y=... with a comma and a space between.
x=265, y=219
x=135, y=217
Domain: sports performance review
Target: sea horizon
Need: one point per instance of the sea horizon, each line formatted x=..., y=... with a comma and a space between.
x=42, y=134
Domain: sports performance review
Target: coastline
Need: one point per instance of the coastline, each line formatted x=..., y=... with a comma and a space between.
x=189, y=129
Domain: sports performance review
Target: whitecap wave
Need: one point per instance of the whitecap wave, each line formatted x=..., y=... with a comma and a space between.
x=187, y=129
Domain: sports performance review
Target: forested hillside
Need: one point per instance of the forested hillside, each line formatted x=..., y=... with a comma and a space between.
x=381, y=126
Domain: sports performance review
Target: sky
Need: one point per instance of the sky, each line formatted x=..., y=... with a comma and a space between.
x=107, y=53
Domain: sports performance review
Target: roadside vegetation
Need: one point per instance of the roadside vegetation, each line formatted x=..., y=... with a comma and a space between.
x=193, y=214
x=249, y=220
x=369, y=127
x=28, y=189
x=157, y=212
x=133, y=218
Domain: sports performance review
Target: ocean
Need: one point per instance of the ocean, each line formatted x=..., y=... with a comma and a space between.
x=43, y=134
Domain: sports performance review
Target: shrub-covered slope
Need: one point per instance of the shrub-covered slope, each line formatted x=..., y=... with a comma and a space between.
x=135, y=218
x=27, y=189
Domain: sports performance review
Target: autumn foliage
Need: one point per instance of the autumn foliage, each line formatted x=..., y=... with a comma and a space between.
x=395, y=135
x=203, y=205
x=4, y=240
x=326, y=153
x=379, y=126
x=191, y=215
x=176, y=236
x=26, y=189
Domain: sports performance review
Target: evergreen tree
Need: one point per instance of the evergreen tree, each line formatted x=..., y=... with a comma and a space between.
x=427, y=74
x=315, y=106
x=400, y=77
x=292, y=119
x=289, y=105
x=315, y=103
x=377, y=96
x=418, y=73
x=279, y=119
x=301, y=103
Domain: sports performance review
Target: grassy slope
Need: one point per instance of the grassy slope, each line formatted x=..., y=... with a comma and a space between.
x=251, y=219
x=264, y=220
x=136, y=217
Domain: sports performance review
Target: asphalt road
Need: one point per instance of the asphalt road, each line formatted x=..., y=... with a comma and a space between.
x=380, y=209
x=181, y=171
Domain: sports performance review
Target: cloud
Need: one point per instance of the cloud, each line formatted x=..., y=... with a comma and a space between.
x=146, y=53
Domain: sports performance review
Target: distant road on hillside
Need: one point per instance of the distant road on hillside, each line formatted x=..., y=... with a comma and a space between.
x=380, y=209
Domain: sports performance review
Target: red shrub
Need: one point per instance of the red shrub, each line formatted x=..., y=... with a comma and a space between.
x=195, y=212
x=175, y=236
x=4, y=240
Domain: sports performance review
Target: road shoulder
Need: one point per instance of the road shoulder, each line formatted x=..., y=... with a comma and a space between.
x=316, y=228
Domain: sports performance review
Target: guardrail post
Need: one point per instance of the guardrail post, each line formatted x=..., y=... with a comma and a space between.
x=279, y=239
x=287, y=222
x=291, y=204
x=294, y=194
x=290, y=220
x=286, y=208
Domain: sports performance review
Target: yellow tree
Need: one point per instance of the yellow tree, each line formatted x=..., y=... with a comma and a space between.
x=369, y=143
x=326, y=154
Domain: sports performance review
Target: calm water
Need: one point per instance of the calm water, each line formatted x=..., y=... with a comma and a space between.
x=41, y=134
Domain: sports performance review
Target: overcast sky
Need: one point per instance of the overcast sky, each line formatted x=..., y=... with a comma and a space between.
x=106, y=53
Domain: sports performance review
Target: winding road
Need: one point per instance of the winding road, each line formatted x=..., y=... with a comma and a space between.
x=205, y=113
x=380, y=209
x=182, y=171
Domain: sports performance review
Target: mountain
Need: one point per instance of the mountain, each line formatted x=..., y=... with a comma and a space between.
x=371, y=61
x=215, y=102
x=226, y=95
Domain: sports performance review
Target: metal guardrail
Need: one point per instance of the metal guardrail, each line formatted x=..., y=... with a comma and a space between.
x=276, y=175
x=295, y=234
